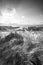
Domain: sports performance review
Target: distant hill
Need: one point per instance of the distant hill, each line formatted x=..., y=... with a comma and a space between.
x=6, y=28
x=22, y=27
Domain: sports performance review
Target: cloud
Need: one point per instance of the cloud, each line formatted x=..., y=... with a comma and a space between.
x=10, y=16
x=0, y=13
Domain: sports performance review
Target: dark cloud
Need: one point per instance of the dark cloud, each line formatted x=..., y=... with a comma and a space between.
x=35, y=2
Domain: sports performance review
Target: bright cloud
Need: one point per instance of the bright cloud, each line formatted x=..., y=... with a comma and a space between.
x=11, y=16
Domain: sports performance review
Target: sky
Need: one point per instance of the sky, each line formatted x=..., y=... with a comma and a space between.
x=21, y=12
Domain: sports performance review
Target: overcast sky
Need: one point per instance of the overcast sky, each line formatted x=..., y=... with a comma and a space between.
x=21, y=11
